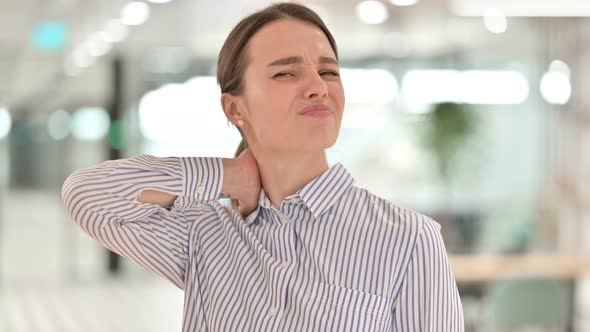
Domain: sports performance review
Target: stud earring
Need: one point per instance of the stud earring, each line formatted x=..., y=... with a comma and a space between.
x=240, y=123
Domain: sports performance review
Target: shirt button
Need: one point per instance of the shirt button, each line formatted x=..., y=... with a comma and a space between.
x=201, y=189
x=272, y=311
x=284, y=265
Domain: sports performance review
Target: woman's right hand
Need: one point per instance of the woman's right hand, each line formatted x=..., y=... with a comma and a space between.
x=242, y=181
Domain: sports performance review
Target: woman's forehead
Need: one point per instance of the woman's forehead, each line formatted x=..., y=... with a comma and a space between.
x=289, y=38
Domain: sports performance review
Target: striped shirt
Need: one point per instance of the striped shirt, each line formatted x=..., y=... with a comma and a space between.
x=332, y=257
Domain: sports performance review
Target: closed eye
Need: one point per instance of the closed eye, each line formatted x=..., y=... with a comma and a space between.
x=283, y=74
x=325, y=73
x=330, y=73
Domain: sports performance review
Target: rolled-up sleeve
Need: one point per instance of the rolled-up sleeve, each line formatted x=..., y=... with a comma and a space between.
x=103, y=200
x=428, y=299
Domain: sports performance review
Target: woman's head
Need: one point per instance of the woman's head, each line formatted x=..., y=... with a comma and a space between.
x=274, y=64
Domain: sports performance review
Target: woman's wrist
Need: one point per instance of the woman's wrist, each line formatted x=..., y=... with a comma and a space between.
x=231, y=178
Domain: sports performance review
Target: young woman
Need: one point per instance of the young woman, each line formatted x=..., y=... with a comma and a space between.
x=302, y=248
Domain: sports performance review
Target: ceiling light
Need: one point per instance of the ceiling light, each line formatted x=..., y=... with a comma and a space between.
x=81, y=59
x=97, y=46
x=404, y=2
x=555, y=85
x=372, y=12
x=114, y=31
x=135, y=13
x=495, y=21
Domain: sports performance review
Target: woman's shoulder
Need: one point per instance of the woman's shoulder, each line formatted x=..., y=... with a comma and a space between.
x=387, y=211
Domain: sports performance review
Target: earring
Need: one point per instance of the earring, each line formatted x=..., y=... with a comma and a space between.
x=240, y=123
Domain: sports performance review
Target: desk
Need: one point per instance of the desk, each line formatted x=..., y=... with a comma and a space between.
x=485, y=268
x=482, y=269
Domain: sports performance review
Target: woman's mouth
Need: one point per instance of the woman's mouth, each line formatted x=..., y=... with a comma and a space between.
x=316, y=111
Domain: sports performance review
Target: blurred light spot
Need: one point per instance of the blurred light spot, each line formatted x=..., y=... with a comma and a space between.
x=494, y=87
x=556, y=87
x=90, y=123
x=116, y=135
x=560, y=66
x=59, y=125
x=183, y=111
x=472, y=87
x=404, y=2
x=81, y=59
x=49, y=36
x=369, y=85
x=97, y=45
x=372, y=12
x=495, y=21
x=114, y=31
x=135, y=13
x=5, y=122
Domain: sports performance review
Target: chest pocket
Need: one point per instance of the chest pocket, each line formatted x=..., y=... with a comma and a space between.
x=335, y=308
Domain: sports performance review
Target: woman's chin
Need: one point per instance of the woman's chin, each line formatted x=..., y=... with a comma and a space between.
x=320, y=144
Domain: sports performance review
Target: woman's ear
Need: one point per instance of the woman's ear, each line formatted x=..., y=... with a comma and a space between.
x=231, y=108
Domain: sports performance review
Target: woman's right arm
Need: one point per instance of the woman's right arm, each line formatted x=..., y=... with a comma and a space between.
x=134, y=206
x=240, y=181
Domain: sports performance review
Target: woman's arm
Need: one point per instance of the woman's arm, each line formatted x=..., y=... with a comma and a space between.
x=160, y=198
x=241, y=181
x=429, y=299
x=135, y=206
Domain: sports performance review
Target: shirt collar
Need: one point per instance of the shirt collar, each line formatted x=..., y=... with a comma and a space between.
x=318, y=195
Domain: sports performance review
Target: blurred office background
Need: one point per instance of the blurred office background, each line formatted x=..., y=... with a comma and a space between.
x=475, y=112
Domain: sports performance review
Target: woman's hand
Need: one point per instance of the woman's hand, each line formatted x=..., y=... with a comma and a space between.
x=242, y=181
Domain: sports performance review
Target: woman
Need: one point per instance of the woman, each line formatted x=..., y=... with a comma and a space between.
x=302, y=248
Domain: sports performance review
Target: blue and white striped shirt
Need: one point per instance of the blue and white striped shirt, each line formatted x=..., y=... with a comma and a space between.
x=332, y=257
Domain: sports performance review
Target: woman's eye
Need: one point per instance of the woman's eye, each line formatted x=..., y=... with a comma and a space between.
x=330, y=73
x=282, y=75
x=325, y=73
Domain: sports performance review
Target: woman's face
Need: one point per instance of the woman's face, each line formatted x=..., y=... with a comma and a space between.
x=291, y=68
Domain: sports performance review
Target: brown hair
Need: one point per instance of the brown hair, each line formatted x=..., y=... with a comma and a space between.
x=233, y=58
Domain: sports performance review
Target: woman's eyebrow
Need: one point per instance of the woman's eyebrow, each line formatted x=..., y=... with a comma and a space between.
x=297, y=59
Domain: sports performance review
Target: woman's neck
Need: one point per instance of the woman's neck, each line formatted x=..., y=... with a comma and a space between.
x=283, y=175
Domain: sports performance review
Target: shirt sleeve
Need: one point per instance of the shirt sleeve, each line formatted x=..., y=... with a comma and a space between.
x=428, y=299
x=103, y=200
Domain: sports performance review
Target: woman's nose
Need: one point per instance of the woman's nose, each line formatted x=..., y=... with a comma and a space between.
x=316, y=87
